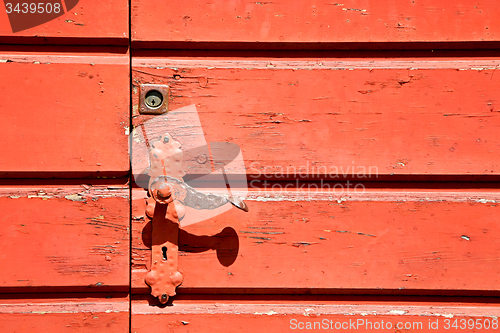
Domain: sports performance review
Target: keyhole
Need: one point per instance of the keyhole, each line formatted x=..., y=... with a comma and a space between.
x=164, y=250
x=153, y=99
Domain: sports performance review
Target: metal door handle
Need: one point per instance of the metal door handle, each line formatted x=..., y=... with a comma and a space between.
x=164, y=277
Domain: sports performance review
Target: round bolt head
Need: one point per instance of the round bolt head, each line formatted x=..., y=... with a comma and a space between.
x=202, y=159
x=164, y=193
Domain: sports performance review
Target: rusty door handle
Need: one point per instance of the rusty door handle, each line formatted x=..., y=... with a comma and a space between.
x=163, y=189
x=163, y=278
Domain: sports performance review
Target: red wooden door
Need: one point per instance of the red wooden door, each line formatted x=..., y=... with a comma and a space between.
x=64, y=192
x=368, y=136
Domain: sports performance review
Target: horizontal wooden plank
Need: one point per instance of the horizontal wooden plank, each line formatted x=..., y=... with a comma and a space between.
x=300, y=315
x=58, y=237
x=336, y=118
x=352, y=21
x=63, y=314
x=338, y=241
x=86, y=23
x=65, y=113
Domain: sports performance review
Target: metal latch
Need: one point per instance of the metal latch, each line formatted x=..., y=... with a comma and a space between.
x=168, y=195
x=153, y=99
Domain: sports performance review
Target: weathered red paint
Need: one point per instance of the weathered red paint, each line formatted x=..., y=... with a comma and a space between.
x=67, y=113
x=350, y=21
x=331, y=118
x=64, y=237
x=337, y=242
x=308, y=115
x=58, y=313
x=284, y=314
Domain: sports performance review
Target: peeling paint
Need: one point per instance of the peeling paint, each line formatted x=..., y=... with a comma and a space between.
x=269, y=313
x=486, y=201
x=75, y=197
x=299, y=244
x=80, y=193
x=454, y=64
x=355, y=9
x=397, y=312
x=374, y=195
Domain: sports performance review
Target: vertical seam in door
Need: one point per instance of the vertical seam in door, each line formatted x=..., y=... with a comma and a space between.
x=130, y=166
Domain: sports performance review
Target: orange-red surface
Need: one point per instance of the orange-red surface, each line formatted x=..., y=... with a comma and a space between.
x=341, y=314
x=60, y=313
x=64, y=113
x=89, y=22
x=64, y=238
x=72, y=254
x=350, y=21
x=378, y=241
x=341, y=116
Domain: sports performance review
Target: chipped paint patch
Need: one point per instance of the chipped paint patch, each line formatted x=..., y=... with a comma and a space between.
x=80, y=193
x=446, y=315
x=64, y=307
x=269, y=313
x=486, y=201
x=454, y=64
x=48, y=312
x=397, y=312
x=340, y=197
x=75, y=197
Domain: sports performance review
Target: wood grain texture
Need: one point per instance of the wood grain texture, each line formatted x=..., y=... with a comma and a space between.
x=66, y=113
x=277, y=315
x=89, y=21
x=352, y=21
x=376, y=241
x=59, y=237
x=64, y=314
x=335, y=117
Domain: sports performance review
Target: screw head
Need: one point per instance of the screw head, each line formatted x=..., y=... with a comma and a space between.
x=202, y=159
